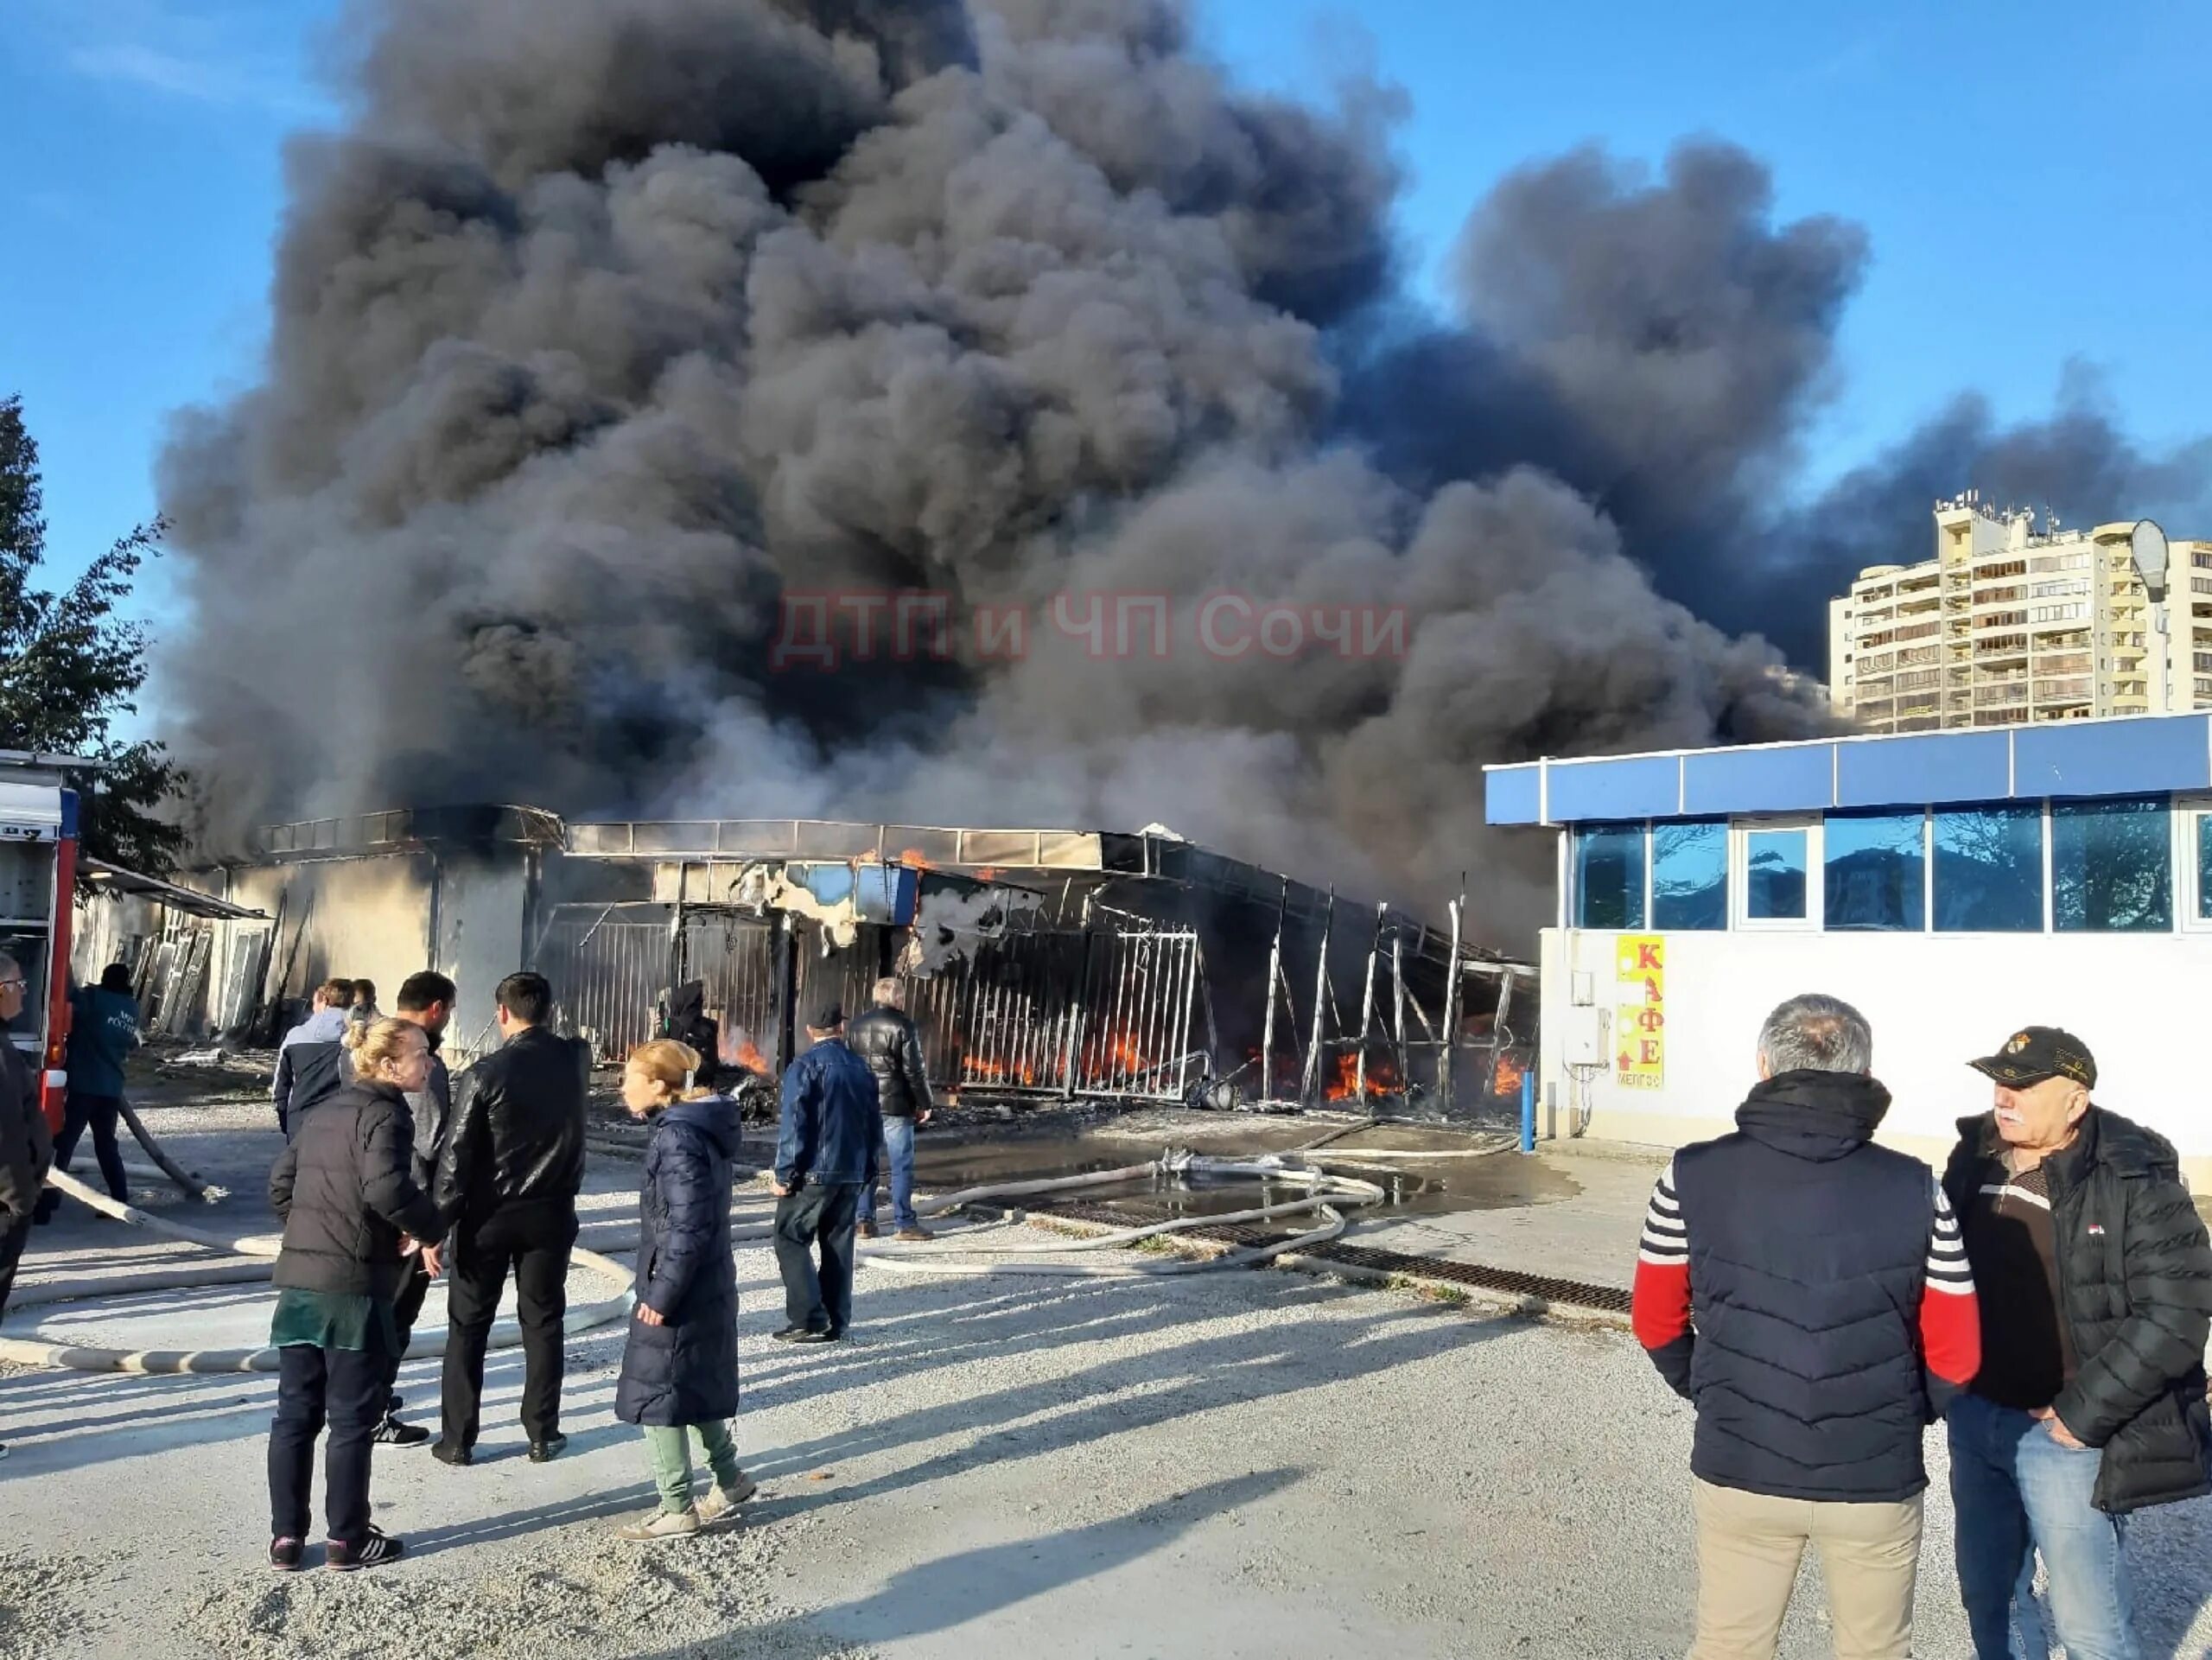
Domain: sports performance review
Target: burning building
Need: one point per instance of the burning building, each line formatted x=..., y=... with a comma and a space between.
x=1039, y=963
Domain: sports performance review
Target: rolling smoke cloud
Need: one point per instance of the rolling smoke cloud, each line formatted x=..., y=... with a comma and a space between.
x=605, y=323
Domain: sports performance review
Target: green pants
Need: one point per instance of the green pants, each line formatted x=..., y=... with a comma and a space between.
x=670, y=1452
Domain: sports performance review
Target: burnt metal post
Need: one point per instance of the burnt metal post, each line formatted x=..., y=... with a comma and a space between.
x=1268, y=1027
x=787, y=992
x=1398, y=1012
x=1367, y=1004
x=1309, y=1085
x=1498, y=1032
x=1449, y=1027
x=1074, y=1023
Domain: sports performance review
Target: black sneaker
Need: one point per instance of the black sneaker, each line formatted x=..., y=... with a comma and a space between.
x=546, y=1451
x=788, y=1334
x=460, y=1457
x=392, y=1432
x=284, y=1554
x=374, y=1550
x=815, y=1334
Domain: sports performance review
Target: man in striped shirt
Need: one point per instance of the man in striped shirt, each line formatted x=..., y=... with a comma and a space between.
x=1808, y=1291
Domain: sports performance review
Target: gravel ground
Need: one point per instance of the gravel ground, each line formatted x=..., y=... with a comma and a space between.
x=1240, y=1464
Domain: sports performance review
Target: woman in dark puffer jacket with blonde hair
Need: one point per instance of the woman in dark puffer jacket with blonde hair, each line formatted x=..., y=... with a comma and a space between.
x=346, y=1188
x=679, y=1367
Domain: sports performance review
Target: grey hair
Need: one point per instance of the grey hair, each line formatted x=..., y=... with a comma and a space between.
x=889, y=992
x=1814, y=1033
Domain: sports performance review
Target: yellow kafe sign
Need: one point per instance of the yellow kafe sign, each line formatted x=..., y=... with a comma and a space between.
x=1640, y=1018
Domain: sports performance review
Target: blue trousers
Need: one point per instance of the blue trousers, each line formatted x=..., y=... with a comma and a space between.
x=2016, y=1489
x=898, y=1142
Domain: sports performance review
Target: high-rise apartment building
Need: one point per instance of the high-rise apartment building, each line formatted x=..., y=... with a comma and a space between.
x=2006, y=626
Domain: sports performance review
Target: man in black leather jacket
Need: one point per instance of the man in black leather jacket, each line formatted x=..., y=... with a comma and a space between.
x=885, y=1038
x=507, y=1180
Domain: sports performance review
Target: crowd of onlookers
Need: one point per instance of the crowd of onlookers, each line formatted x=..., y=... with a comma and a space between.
x=395, y=1174
x=1819, y=1298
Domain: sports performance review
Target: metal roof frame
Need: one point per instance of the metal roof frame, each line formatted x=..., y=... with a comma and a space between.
x=114, y=879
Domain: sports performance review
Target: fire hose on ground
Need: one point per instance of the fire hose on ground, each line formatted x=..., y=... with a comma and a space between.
x=191, y=1185
x=1325, y=1193
x=261, y=1252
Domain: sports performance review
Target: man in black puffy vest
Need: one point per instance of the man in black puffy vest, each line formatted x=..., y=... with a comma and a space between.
x=1807, y=1290
x=2096, y=1282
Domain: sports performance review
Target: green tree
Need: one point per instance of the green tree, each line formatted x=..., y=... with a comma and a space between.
x=70, y=666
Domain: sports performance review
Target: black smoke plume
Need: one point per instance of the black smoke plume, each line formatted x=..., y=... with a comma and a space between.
x=606, y=325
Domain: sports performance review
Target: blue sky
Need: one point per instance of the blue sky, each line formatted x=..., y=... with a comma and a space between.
x=2034, y=177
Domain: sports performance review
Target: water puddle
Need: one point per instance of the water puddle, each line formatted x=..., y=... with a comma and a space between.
x=1461, y=1180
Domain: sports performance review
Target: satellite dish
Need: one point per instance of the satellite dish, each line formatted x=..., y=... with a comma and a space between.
x=2147, y=545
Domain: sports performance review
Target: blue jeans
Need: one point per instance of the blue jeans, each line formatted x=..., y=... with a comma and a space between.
x=899, y=1141
x=2017, y=1490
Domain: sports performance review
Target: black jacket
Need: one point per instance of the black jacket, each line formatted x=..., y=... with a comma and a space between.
x=1809, y=1249
x=885, y=1038
x=345, y=1186
x=684, y=1372
x=517, y=1133
x=2135, y=1290
x=26, y=1141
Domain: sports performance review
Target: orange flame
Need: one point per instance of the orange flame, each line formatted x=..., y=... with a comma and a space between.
x=1381, y=1076
x=981, y=1069
x=1510, y=1073
x=738, y=1049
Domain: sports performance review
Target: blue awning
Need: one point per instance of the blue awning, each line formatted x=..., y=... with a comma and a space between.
x=2157, y=754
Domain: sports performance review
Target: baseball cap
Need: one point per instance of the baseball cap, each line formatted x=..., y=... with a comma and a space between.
x=828, y=1017
x=2036, y=1052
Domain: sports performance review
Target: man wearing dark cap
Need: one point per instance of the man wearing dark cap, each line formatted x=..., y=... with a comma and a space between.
x=2095, y=1283
x=825, y=1159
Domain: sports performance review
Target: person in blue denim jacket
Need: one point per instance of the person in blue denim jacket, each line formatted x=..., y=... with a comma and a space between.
x=825, y=1159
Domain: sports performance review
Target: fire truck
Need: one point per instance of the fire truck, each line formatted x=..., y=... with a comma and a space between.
x=38, y=876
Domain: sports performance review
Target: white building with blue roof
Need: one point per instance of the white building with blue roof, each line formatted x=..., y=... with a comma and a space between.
x=1954, y=886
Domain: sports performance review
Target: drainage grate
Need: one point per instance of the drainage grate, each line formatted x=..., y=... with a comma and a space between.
x=1610, y=1299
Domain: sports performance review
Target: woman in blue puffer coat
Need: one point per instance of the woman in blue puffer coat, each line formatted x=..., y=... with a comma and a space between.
x=679, y=1367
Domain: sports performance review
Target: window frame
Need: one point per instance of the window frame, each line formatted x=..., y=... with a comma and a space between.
x=1740, y=831
x=2046, y=864
x=1927, y=925
x=2192, y=817
x=1573, y=896
x=1727, y=829
x=2177, y=879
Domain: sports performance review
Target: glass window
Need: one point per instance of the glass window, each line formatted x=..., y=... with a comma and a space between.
x=1775, y=862
x=2111, y=867
x=1989, y=870
x=1609, y=876
x=1876, y=873
x=2204, y=867
x=1690, y=876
